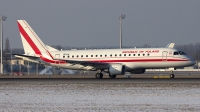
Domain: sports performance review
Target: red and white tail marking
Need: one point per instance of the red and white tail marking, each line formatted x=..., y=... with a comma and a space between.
x=31, y=42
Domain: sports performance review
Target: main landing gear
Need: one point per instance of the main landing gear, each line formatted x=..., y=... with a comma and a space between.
x=99, y=75
x=112, y=76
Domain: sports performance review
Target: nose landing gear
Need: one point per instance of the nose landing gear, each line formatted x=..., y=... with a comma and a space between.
x=171, y=74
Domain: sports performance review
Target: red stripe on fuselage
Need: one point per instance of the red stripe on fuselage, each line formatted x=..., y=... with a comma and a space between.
x=139, y=60
x=52, y=61
x=115, y=61
x=28, y=39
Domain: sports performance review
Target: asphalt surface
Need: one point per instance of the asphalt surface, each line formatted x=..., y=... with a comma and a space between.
x=98, y=81
x=150, y=77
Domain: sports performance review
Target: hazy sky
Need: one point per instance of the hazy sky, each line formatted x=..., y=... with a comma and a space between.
x=96, y=22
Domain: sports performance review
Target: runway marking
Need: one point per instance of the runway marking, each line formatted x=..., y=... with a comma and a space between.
x=161, y=77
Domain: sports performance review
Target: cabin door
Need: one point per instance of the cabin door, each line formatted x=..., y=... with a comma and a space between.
x=164, y=56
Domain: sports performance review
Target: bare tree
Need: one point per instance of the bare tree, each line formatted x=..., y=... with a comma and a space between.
x=57, y=47
x=6, y=54
x=146, y=46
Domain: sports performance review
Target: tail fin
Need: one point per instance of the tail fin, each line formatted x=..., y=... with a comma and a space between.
x=32, y=44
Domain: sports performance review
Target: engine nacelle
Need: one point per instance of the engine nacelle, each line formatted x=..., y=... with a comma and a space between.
x=138, y=71
x=116, y=69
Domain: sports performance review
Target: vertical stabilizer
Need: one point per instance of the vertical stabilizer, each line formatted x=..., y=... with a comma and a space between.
x=32, y=44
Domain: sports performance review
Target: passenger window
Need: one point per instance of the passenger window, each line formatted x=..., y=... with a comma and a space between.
x=133, y=54
x=86, y=55
x=138, y=54
x=77, y=56
x=81, y=55
x=63, y=56
x=91, y=55
x=148, y=54
x=124, y=54
x=105, y=55
x=120, y=55
x=111, y=55
x=115, y=55
x=68, y=56
x=143, y=54
x=72, y=56
x=96, y=55
x=100, y=55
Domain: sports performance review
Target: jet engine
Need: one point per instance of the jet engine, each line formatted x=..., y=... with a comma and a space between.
x=117, y=69
x=138, y=71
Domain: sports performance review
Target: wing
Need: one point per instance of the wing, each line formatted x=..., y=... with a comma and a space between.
x=85, y=62
x=97, y=65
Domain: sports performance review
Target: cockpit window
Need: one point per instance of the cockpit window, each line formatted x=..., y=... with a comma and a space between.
x=176, y=53
x=179, y=53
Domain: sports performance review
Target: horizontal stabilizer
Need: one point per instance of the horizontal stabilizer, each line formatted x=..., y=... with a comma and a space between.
x=28, y=56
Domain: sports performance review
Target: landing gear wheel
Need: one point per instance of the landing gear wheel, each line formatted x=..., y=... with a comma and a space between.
x=171, y=75
x=112, y=76
x=99, y=75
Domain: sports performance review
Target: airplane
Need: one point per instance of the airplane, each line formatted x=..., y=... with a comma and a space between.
x=112, y=61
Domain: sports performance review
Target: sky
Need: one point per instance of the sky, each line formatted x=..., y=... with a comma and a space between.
x=89, y=23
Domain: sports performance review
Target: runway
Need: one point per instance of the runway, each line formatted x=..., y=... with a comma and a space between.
x=98, y=81
x=102, y=95
x=83, y=92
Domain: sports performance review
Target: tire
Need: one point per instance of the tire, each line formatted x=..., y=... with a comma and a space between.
x=112, y=76
x=171, y=75
x=99, y=75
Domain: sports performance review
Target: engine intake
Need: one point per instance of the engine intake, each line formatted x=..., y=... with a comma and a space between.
x=117, y=69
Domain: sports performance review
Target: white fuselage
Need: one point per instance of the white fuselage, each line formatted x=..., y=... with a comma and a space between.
x=138, y=58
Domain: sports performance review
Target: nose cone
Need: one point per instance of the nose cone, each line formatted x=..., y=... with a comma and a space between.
x=192, y=61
